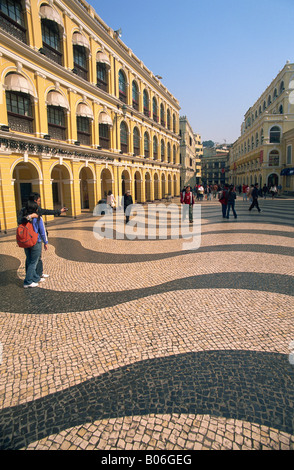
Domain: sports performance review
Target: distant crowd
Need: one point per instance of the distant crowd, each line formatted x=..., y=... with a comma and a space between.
x=213, y=191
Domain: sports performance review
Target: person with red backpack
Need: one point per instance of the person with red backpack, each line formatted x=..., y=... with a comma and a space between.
x=33, y=251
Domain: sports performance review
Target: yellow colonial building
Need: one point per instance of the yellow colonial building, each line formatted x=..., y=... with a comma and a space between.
x=263, y=152
x=80, y=114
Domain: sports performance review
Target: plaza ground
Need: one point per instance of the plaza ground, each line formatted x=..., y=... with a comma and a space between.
x=139, y=344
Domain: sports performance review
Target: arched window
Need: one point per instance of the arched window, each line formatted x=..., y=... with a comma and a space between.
x=281, y=109
x=12, y=18
x=81, y=49
x=154, y=110
x=146, y=103
x=174, y=123
x=122, y=85
x=19, y=103
x=162, y=150
x=102, y=68
x=123, y=137
x=135, y=95
x=162, y=115
x=174, y=154
x=261, y=136
x=168, y=153
x=155, y=149
x=273, y=158
x=269, y=100
x=136, y=141
x=264, y=106
x=168, y=119
x=146, y=145
x=275, y=135
x=252, y=143
x=83, y=130
x=56, y=108
x=51, y=25
x=259, y=110
x=256, y=140
x=104, y=137
x=282, y=87
x=275, y=94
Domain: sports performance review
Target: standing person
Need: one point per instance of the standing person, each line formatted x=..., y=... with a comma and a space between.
x=35, y=197
x=273, y=190
x=200, y=192
x=265, y=190
x=187, y=198
x=128, y=201
x=224, y=200
x=208, y=190
x=244, y=192
x=250, y=192
x=110, y=200
x=34, y=265
x=231, y=202
x=255, y=198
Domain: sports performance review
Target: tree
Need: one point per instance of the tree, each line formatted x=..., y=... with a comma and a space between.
x=208, y=143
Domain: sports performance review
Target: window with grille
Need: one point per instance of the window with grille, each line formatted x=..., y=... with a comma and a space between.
x=146, y=145
x=12, y=19
x=104, y=136
x=83, y=130
x=102, y=76
x=136, y=140
x=80, y=61
x=56, y=122
x=123, y=137
x=19, y=111
x=51, y=40
x=122, y=86
x=135, y=95
x=146, y=103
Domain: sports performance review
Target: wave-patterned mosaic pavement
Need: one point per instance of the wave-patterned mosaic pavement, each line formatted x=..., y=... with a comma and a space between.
x=137, y=344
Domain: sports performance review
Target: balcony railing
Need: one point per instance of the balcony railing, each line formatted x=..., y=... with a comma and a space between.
x=12, y=27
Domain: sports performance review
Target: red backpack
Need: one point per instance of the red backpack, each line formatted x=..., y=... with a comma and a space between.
x=26, y=236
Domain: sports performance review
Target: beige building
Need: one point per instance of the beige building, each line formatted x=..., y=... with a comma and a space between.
x=190, y=154
x=263, y=152
x=80, y=114
x=215, y=165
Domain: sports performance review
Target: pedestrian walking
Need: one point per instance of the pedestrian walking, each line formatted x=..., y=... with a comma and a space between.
x=244, y=190
x=273, y=190
x=231, y=202
x=224, y=200
x=110, y=200
x=265, y=190
x=255, y=198
x=128, y=201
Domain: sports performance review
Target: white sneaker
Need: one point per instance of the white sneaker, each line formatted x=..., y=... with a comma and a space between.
x=45, y=275
x=42, y=279
x=33, y=284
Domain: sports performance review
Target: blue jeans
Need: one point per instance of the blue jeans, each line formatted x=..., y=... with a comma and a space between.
x=229, y=206
x=224, y=210
x=33, y=255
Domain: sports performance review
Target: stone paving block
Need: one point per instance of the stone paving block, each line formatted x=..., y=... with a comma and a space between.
x=191, y=353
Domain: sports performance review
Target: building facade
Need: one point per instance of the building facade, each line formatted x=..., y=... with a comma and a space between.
x=190, y=154
x=80, y=114
x=215, y=165
x=263, y=152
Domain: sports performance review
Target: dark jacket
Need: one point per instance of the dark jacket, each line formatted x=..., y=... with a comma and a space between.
x=231, y=196
x=21, y=218
x=254, y=193
x=128, y=200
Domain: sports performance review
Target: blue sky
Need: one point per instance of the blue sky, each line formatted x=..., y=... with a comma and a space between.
x=215, y=56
